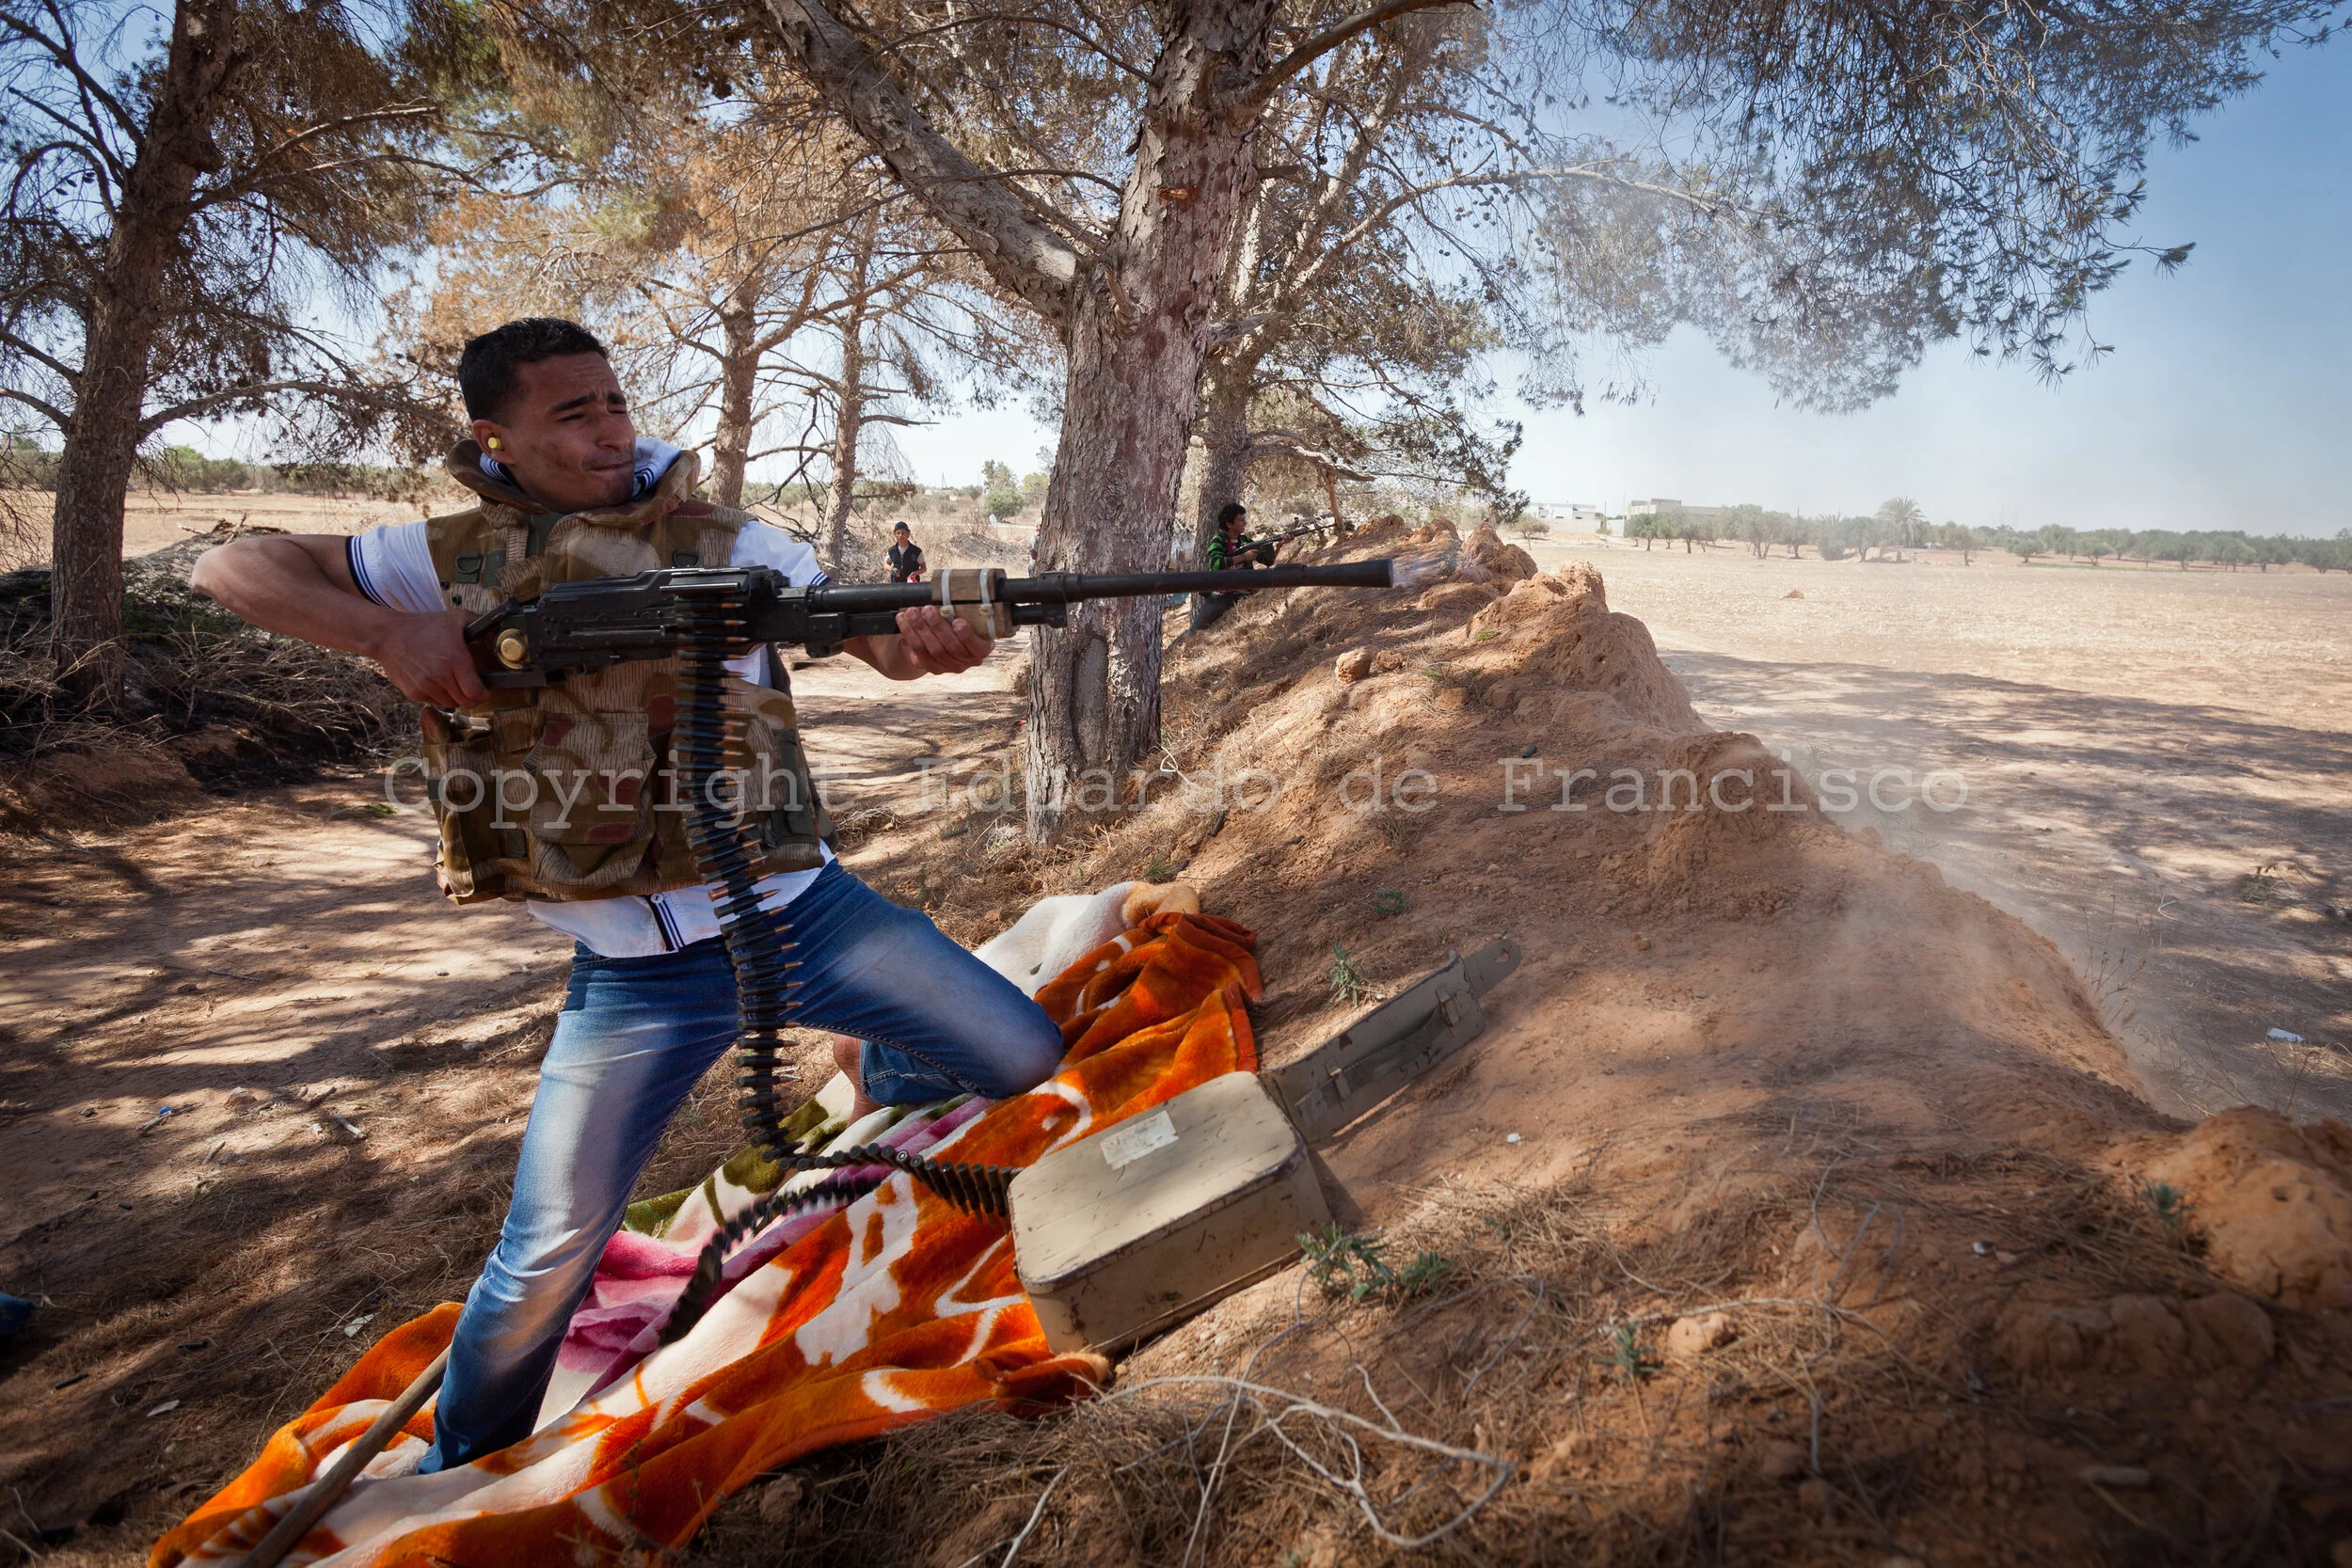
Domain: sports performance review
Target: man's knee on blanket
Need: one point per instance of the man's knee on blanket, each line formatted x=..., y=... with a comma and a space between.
x=1022, y=1064
x=1014, y=1063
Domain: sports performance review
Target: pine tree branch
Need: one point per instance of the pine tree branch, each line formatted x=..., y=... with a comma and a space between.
x=1252, y=97
x=338, y=391
x=65, y=51
x=975, y=203
x=68, y=373
x=49, y=411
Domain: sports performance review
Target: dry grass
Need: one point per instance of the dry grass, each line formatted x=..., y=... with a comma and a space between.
x=209, y=702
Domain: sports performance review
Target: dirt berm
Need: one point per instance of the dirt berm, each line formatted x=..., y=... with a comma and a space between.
x=1795, y=1207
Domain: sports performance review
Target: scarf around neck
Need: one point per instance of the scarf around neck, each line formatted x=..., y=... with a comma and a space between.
x=653, y=460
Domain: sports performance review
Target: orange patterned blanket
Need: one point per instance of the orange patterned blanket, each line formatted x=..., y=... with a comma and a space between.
x=893, y=1311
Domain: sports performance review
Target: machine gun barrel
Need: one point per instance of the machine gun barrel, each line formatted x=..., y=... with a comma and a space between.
x=1349, y=573
x=1065, y=588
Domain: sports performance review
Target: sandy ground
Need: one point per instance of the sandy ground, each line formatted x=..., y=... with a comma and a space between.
x=2152, y=770
x=153, y=519
x=2277, y=644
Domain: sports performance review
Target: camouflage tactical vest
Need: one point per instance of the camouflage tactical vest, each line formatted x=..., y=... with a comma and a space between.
x=564, y=791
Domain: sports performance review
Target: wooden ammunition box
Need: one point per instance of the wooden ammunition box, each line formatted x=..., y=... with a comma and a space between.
x=1146, y=1223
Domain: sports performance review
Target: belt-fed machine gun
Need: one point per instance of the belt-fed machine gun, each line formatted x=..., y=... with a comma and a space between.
x=574, y=628
x=1115, y=1235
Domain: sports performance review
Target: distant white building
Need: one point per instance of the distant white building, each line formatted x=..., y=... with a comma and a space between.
x=1655, y=504
x=1574, y=513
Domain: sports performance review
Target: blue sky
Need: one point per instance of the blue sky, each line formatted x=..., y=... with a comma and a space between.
x=2223, y=404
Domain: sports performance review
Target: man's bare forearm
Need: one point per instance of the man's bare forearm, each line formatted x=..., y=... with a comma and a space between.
x=280, y=585
x=887, y=655
x=300, y=586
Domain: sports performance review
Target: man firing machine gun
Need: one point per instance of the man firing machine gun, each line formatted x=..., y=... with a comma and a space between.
x=609, y=736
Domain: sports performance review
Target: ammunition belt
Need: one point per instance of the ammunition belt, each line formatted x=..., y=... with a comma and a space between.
x=710, y=738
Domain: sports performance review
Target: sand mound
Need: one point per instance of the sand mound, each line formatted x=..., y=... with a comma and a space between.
x=109, y=776
x=2136, y=1336
x=2270, y=1201
x=1500, y=563
x=1437, y=551
x=1559, y=635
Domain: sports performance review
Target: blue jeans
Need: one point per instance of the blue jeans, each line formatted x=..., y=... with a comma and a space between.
x=634, y=1036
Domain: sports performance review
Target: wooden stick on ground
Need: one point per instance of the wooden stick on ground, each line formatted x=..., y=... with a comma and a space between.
x=323, y=1493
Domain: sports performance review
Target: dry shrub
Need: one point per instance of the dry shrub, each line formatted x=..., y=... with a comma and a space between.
x=854, y=828
x=208, y=700
x=87, y=773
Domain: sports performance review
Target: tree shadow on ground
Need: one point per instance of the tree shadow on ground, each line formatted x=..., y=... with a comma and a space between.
x=2185, y=857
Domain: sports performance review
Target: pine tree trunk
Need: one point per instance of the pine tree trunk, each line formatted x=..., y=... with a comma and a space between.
x=93, y=472
x=739, y=380
x=101, y=439
x=848, y=421
x=1217, y=470
x=1224, y=456
x=1094, y=684
x=1134, y=314
x=852, y=406
x=1136, y=340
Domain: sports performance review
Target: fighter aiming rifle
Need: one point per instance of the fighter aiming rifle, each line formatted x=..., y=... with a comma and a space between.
x=1229, y=548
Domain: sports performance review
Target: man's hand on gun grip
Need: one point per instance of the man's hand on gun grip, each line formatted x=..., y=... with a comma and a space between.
x=933, y=644
x=425, y=655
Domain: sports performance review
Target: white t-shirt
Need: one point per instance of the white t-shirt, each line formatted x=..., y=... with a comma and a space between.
x=393, y=566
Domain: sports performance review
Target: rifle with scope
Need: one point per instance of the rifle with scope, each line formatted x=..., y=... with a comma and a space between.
x=575, y=627
x=1300, y=530
x=1255, y=545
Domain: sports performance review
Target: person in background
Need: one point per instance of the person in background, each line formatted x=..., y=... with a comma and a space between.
x=906, y=558
x=1229, y=549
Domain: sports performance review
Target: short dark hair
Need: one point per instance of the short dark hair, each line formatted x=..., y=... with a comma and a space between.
x=902, y=528
x=1229, y=512
x=485, y=370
